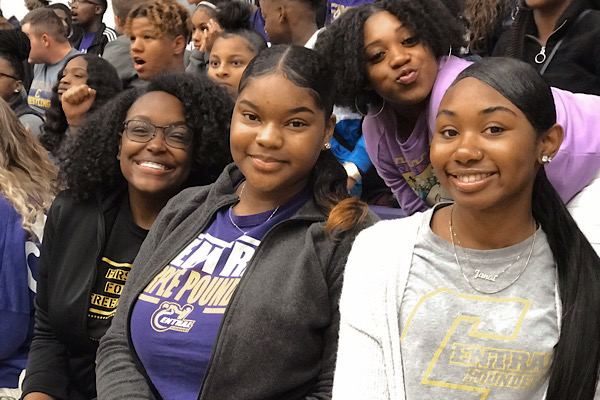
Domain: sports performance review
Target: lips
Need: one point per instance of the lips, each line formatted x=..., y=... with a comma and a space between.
x=407, y=76
x=266, y=163
x=138, y=63
x=153, y=166
x=471, y=181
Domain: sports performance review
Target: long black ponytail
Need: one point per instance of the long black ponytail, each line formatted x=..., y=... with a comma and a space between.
x=574, y=372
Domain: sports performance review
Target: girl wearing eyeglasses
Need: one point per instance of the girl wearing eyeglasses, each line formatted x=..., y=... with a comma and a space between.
x=127, y=161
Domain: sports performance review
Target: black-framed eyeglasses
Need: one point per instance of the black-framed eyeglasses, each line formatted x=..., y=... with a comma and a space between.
x=71, y=3
x=176, y=135
x=9, y=76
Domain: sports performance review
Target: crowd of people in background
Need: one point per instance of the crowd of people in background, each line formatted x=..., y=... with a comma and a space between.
x=300, y=199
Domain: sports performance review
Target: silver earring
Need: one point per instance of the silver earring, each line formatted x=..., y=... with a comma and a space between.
x=546, y=159
x=380, y=110
x=327, y=146
x=441, y=67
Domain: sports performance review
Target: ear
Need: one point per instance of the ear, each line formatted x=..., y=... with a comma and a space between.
x=179, y=44
x=329, y=128
x=18, y=85
x=98, y=10
x=282, y=13
x=120, y=145
x=551, y=141
x=119, y=23
x=45, y=39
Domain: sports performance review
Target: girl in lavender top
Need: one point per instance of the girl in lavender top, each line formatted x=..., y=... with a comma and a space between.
x=493, y=297
x=394, y=59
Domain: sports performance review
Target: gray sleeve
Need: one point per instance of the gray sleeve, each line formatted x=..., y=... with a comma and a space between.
x=33, y=122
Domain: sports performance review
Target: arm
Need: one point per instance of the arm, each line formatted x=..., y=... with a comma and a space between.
x=359, y=372
x=15, y=305
x=578, y=159
x=117, y=375
x=47, y=365
x=383, y=160
x=335, y=278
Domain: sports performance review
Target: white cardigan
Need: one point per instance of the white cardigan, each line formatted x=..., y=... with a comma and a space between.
x=369, y=361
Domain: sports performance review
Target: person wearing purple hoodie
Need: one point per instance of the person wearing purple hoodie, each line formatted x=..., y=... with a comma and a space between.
x=398, y=73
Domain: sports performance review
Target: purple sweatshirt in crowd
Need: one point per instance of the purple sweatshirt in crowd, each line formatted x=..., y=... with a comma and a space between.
x=407, y=170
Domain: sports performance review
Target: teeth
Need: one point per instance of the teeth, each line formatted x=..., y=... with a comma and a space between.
x=472, y=178
x=153, y=165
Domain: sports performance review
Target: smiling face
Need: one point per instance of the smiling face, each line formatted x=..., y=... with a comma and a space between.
x=485, y=151
x=154, y=168
x=153, y=52
x=74, y=74
x=277, y=136
x=400, y=67
x=228, y=60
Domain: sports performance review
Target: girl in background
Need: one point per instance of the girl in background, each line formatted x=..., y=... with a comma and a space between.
x=85, y=84
x=209, y=20
x=231, y=53
x=127, y=161
x=214, y=288
x=490, y=296
x=14, y=50
x=27, y=187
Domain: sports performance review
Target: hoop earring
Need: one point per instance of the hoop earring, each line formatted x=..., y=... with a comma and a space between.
x=380, y=110
x=442, y=65
x=358, y=109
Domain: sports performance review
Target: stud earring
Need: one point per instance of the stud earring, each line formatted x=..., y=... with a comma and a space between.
x=327, y=146
x=546, y=159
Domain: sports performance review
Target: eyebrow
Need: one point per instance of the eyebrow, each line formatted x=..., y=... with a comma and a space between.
x=488, y=110
x=398, y=29
x=290, y=111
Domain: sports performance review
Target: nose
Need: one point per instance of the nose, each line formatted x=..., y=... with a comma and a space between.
x=468, y=148
x=136, y=45
x=269, y=136
x=399, y=56
x=197, y=35
x=222, y=71
x=157, y=144
x=65, y=79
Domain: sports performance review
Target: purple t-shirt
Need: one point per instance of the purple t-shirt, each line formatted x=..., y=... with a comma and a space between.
x=175, y=320
x=86, y=42
x=406, y=169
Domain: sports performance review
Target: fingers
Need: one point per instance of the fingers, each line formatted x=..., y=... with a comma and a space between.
x=78, y=94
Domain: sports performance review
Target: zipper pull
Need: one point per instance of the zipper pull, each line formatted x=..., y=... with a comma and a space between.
x=541, y=56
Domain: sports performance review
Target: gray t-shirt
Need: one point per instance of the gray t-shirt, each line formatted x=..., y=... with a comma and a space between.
x=458, y=343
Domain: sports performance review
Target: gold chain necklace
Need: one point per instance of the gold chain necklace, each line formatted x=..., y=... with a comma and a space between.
x=478, y=273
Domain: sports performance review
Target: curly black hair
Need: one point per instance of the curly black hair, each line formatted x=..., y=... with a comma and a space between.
x=92, y=167
x=342, y=43
x=102, y=77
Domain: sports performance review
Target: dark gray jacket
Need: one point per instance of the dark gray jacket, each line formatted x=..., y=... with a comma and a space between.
x=278, y=336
